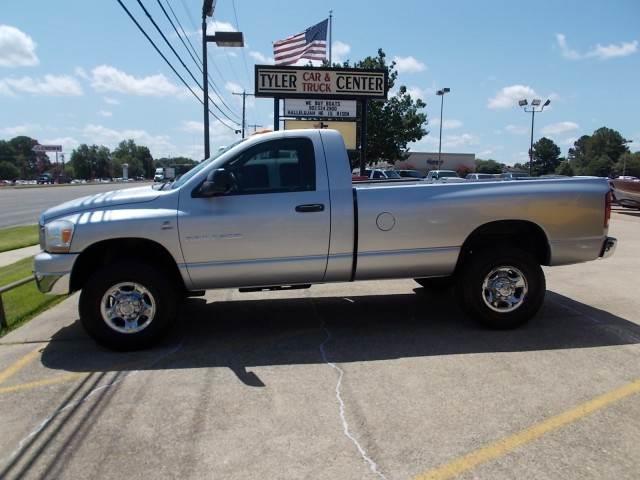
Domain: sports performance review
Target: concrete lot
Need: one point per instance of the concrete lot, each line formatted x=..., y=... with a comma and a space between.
x=368, y=380
x=23, y=206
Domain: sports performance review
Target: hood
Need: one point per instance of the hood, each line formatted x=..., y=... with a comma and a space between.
x=100, y=201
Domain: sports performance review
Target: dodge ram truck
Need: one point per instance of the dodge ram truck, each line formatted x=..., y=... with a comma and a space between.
x=279, y=210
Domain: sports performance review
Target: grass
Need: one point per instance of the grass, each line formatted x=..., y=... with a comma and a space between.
x=18, y=237
x=25, y=302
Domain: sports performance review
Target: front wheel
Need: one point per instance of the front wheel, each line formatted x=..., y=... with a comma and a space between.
x=501, y=289
x=127, y=306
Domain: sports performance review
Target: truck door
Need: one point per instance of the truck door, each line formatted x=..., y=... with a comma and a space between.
x=272, y=228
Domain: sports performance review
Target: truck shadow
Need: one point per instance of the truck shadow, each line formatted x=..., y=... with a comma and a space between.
x=242, y=334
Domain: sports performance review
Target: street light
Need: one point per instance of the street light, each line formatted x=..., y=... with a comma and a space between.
x=535, y=103
x=441, y=93
x=222, y=39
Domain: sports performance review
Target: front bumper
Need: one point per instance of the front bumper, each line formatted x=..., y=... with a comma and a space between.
x=608, y=247
x=52, y=271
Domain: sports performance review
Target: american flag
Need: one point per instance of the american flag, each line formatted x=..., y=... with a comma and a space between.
x=310, y=44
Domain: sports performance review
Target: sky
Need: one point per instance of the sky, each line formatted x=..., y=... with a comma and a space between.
x=81, y=72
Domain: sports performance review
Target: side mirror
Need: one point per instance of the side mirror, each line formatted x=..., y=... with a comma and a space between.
x=217, y=183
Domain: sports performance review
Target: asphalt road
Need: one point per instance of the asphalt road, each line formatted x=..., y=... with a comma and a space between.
x=23, y=206
x=350, y=381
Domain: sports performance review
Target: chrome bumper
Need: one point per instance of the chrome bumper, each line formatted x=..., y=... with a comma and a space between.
x=609, y=247
x=53, y=272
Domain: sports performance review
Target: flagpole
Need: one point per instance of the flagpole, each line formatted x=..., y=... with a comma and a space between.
x=330, y=36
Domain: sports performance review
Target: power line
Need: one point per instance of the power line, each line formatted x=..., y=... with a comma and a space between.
x=196, y=59
x=179, y=57
x=168, y=62
x=244, y=56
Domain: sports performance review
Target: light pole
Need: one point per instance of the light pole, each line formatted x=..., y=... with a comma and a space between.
x=534, y=104
x=441, y=93
x=222, y=39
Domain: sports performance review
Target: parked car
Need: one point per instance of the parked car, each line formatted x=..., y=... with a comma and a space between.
x=479, y=176
x=443, y=176
x=626, y=192
x=45, y=179
x=378, y=174
x=411, y=174
x=514, y=176
x=279, y=210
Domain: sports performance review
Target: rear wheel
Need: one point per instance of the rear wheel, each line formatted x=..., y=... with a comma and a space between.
x=127, y=306
x=501, y=289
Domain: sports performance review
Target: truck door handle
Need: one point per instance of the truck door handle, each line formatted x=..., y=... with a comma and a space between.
x=310, y=207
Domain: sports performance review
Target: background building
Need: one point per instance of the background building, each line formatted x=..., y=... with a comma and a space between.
x=425, y=161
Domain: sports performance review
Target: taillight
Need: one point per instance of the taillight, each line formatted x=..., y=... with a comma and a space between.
x=607, y=209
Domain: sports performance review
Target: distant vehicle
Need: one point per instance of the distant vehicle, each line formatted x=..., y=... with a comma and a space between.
x=514, y=176
x=626, y=177
x=410, y=174
x=377, y=174
x=443, y=176
x=479, y=176
x=45, y=179
x=626, y=192
x=164, y=173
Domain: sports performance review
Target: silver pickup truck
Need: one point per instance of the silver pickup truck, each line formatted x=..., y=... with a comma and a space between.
x=279, y=210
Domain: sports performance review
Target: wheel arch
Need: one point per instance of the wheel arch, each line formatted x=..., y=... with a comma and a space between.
x=109, y=251
x=522, y=234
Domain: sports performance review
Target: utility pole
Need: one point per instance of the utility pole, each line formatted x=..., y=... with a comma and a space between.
x=244, y=95
x=255, y=126
x=535, y=108
x=441, y=94
x=207, y=11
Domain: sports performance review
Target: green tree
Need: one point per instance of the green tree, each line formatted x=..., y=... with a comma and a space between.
x=489, y=166
x=565, y=168
x=8, y=171
x=81, y=161
x=30, y=163
x=546, y=157
x=628, y=164
x=137, y=157
x=588, y=151
x=393, y=123
x=599, y=167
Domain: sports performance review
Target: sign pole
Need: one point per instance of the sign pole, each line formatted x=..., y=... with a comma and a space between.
x=363, y=135
x=276, y=114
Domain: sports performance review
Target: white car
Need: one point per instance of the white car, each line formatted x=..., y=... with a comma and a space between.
x=443, y=176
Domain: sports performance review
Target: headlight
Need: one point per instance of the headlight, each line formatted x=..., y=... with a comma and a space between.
x=58, y=235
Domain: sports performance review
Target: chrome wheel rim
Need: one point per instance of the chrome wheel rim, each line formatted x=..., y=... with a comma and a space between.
x=504, y=289
x=128, y=307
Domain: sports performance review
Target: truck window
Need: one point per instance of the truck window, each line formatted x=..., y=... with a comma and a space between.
x=377, y=174
x=285, y=165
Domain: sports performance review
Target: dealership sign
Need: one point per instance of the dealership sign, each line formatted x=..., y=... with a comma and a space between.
x=319, y=108
x=47, y=148
x=312, y=82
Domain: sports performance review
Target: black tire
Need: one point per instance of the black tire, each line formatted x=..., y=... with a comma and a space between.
x=160, y=288
x=470, y=291
x=435, y=283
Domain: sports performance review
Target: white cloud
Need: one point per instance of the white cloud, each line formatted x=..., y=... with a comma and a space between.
x=260, y=58
x=218, y=26
x=160, y=145
x=601, y=52
x=339, y=51
x=449, y=142
x=81, y=72
x=105, y=78
x=233, y=87
x=192, y=126
x=560, y=128
x=105, y=113
x=415, y=92
x=18, y=130
x=111, y=101
x=54, y=85
x=446, y=124
x=516, y=129
x=409, y=64
x=17, y=49
x=509, y=96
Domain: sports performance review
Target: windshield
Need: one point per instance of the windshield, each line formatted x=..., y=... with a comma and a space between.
x=184, y=178
x=392, y=174
x=445, y=173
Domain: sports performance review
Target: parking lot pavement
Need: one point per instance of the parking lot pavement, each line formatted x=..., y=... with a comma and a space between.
x=367, y=380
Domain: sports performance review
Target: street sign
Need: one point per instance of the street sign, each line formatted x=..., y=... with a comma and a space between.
x=312, y=82
x=298, y=107
x=346, y=129
x=47, y=148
